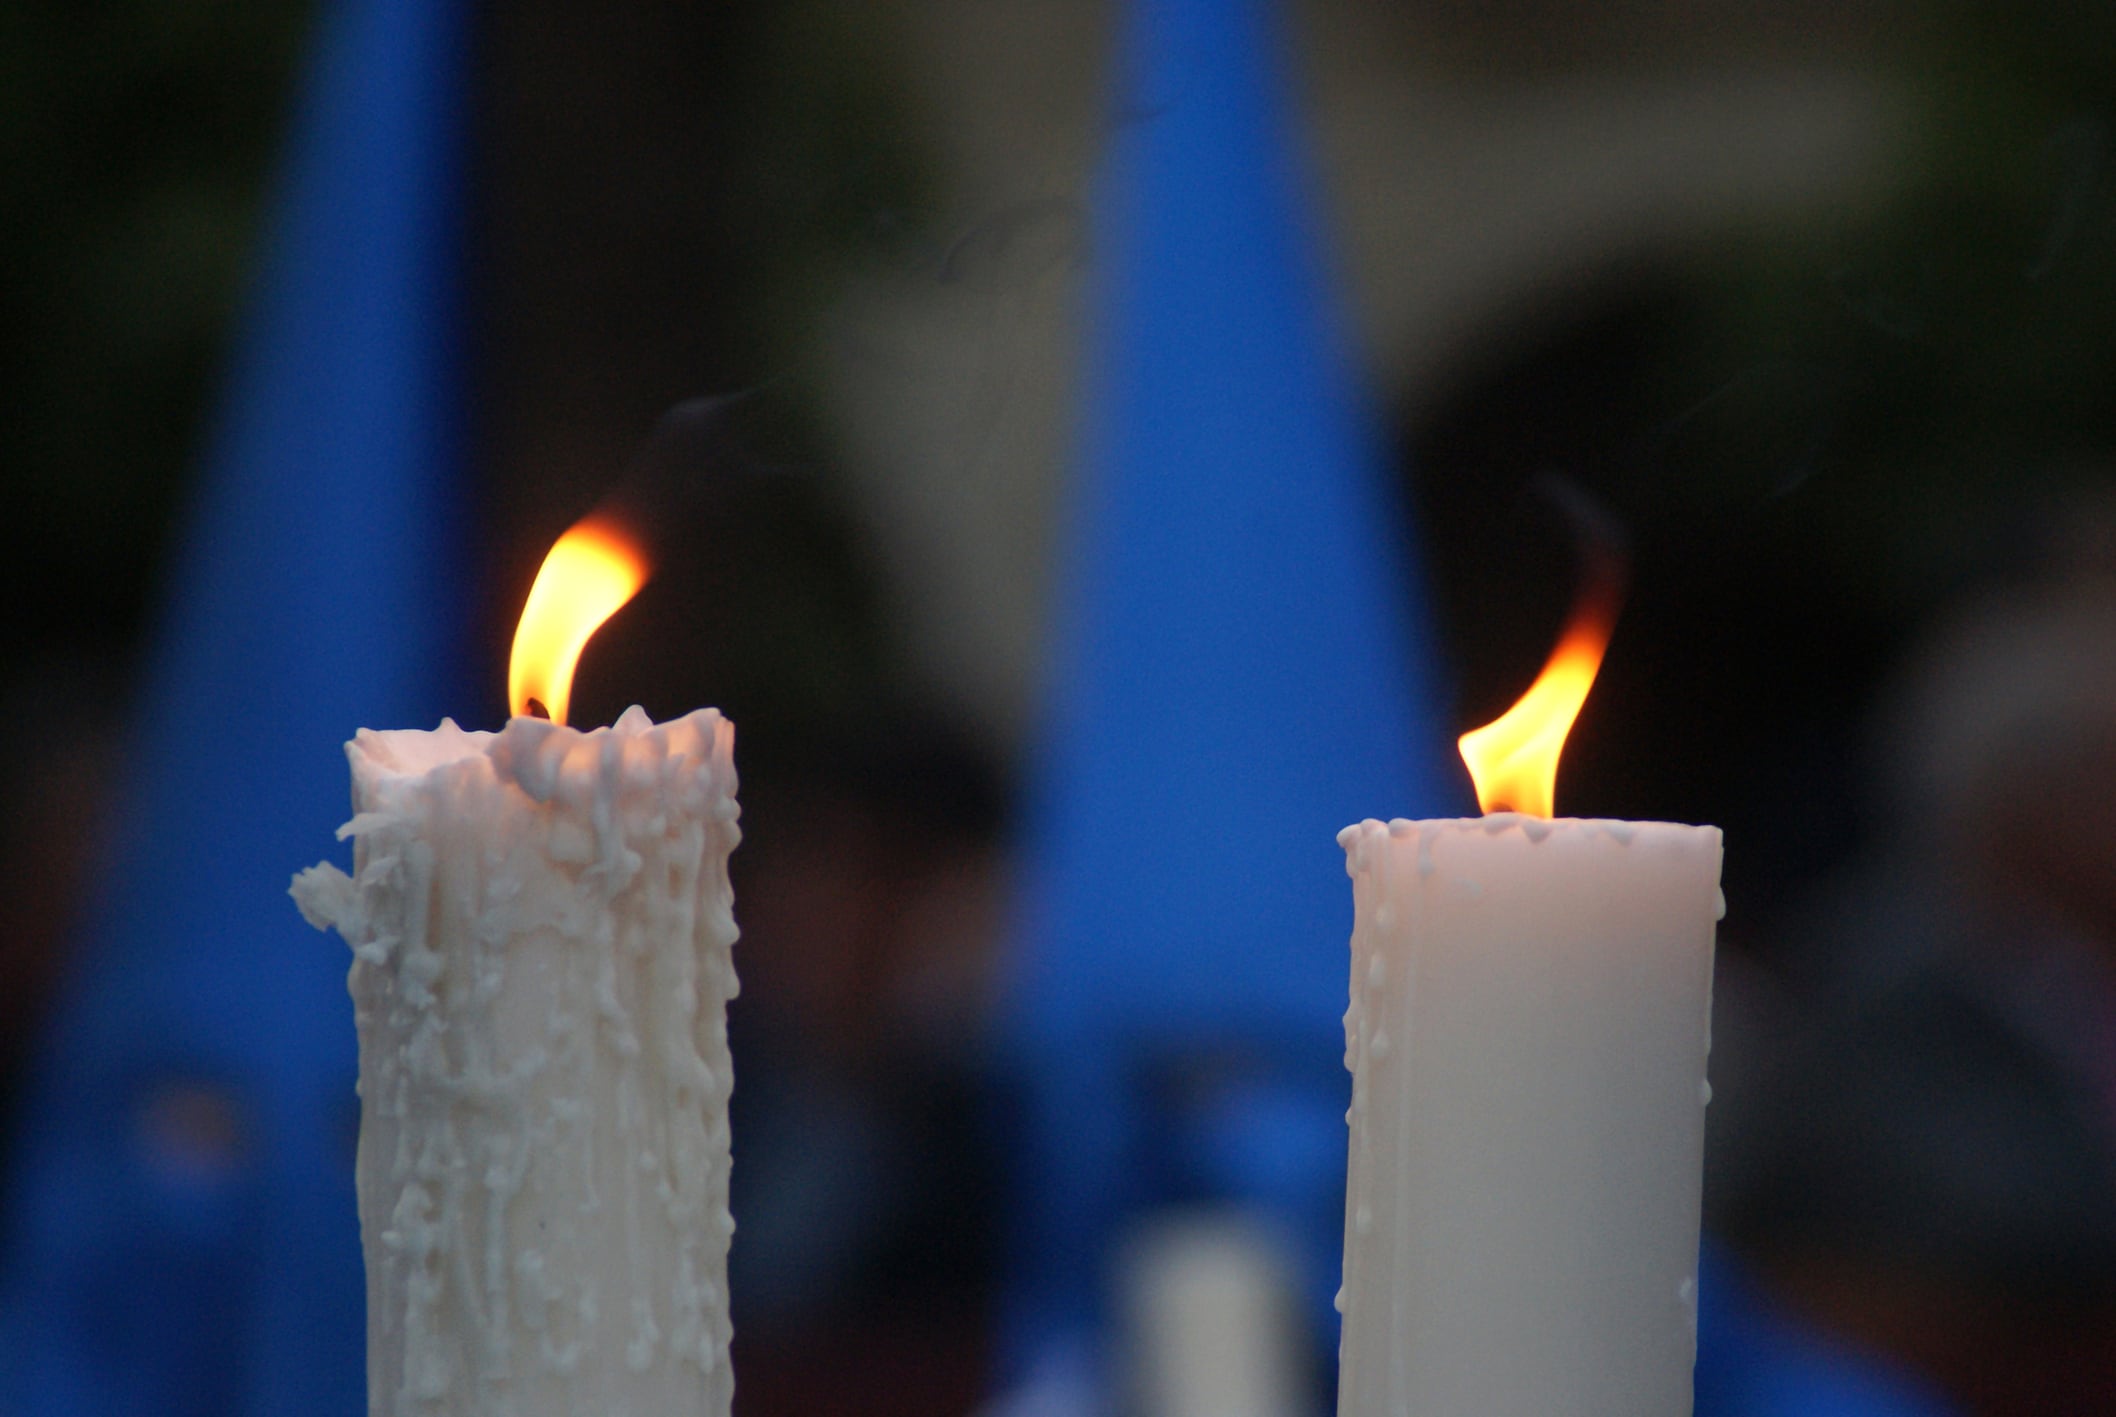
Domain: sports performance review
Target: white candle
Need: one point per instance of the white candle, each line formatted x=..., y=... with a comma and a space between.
x=542, y=928
x=1210, y=1320
x=1527, y=1035
x=1530, y=1014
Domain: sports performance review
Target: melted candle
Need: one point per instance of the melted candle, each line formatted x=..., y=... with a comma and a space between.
x=542, y=935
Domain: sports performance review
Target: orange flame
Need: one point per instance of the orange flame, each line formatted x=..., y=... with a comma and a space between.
x=590, y=572
x=1513, y=760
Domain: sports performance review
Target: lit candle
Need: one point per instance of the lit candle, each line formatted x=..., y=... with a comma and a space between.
x=1527, y=1034
x=541, y=929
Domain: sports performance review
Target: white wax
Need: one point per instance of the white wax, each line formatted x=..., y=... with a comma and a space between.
x=542, y=928
x=1527, y=1034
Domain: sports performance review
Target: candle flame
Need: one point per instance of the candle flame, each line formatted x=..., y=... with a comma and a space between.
x=590, y=572
x=1513, y=760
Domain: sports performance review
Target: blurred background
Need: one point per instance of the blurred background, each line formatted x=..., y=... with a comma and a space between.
x=1818, y=300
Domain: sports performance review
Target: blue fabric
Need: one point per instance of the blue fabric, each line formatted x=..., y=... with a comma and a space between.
x=1241, y=669
x=181, y=1235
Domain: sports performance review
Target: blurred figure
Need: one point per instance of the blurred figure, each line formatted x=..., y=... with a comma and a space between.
x=866, y=1179
x=1921, y=1163
x=179, y=1237
x=1240, y=667
x=53, y=803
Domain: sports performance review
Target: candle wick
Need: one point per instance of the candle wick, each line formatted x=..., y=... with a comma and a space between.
x=536, y=708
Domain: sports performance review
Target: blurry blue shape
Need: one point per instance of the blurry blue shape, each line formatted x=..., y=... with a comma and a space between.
x=1756, y=1361
x=1241, y=670
x=181, y=1235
